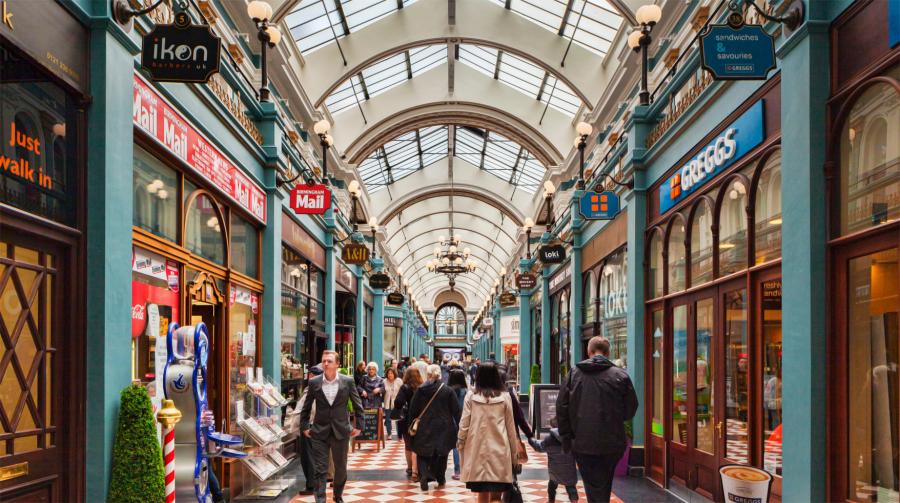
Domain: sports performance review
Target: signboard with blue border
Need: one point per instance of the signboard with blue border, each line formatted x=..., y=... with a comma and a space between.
x=893, y=23
x=421, y=332
x=744, y=53
x=740, y=137
x=599, y=205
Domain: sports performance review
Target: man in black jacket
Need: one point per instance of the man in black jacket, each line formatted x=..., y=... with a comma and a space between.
x=593, y=404
x=330, y=428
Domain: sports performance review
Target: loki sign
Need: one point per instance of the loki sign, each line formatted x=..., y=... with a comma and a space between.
x=379, y=281
x=553, y=254
x=181, y=52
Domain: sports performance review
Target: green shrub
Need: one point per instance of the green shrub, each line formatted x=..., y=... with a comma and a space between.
x=137, y=467
x=535, y=374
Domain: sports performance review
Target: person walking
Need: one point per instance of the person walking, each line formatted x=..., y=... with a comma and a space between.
x=473, y=369
x=560, y=464
x=392, y=385
x=371, y=387
x=594, y=402
x=435, y=410
x=457, y=383
x=487, y=439
x=411, y=381
x=330, y=429
x=359, y=372
x=306, y=457
x=445, y=367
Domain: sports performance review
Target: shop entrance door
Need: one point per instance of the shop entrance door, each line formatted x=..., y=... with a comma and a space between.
x=205, y=304
x=40, y=347
x=692, y=364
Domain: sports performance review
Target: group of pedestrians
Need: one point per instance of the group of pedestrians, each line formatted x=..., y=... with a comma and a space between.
x=472, y=413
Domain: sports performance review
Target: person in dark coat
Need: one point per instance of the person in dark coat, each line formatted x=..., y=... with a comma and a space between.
x=560, y=465
x=594, y=402
x=371, y=387
x=522, y=425
x=436, y=435
x=457, y=383
x=412, y=379
x=359, y=372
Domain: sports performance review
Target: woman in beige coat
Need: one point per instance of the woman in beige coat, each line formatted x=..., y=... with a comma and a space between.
x=487, y=438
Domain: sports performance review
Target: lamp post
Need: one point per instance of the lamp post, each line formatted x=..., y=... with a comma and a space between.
x=639, y=40
x=322, y=128
x=584, y=130
x=529, y=223
x=549, y=190
x=268, y=35
x=355, y=190
x=373, y=226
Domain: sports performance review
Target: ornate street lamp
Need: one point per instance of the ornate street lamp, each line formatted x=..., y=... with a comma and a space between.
x=639, y=40
x=549, y=190
x=269, y=36
x=322, y=128
x=584, y=130
x=373, y=226
x=529, y=223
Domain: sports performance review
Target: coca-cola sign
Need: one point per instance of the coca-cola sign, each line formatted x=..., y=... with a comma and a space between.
x=310, y=199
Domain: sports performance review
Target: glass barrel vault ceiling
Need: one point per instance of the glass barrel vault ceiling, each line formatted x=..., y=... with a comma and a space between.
x=415, y=150
x=319, y=22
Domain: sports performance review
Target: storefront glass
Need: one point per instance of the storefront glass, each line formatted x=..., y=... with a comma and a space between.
x=771, y=378
x=701, y=245
x=705, y=376
x=203, y=232
x=244, y=246
x=679, y=374
x=392, y=337
x=676, y=256
x=733, y=229
x=613, y=307
x=737, y=385
x=874, y=358
x=768, y=211
x=588, y=311
x=155, y=196
x=657, y=426
x=155, y=302
x=241, y=349
x=657, y=270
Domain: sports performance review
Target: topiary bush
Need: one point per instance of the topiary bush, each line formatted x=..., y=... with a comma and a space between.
x=535, y=374
x=137, y=467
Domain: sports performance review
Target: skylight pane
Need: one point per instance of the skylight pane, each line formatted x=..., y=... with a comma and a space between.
x=311, y=27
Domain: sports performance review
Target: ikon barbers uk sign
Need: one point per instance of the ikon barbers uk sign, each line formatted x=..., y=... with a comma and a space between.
x=181, y=52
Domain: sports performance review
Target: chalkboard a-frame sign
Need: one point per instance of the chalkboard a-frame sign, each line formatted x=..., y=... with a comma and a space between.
x=542, y=407
x=372, y=429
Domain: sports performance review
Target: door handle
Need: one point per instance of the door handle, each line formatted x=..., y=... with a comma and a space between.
x=719, y=427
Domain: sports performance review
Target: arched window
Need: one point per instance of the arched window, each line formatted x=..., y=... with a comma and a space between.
x=870, y=180
x=450, y=319
x=676, y=257
x=655, y=277
x=767, y=228
x=733, y=229
x=203, y=234
x=589, y=309
x=701, y=244
x=155, y=196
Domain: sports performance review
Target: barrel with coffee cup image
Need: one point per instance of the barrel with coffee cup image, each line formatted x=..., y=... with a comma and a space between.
x=745, y=484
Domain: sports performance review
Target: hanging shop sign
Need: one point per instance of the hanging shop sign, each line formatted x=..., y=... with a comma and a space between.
x=507, y=299
x=395, y=298
x=744, y=52
x=526, y=281
x=740, y=137
x=355, y=253
x=379, y=281
x=487, y=322
x=599, y=205
x=421, y=332
x=310, y=199
x=155, y=116
x=181, y=52
x=553, y=254
x=893, y=24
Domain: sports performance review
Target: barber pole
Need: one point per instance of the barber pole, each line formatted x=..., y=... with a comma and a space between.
x=167, y=417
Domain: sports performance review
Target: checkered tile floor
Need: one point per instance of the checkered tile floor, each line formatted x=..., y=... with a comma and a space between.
x=367, y=457
x=404, y=491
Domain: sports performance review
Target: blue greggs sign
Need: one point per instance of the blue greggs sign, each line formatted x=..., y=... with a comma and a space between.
x=599, y=205
x=743, y=53
x=740, y=137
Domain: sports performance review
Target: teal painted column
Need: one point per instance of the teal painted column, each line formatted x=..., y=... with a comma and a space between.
x=545, y=324
x=330, y=226
x=577, y=299
x=270, y=360
x=109, y=206
x=804, y=92
x=497, y=347
x=376, y=338
x=525, y=333
x=360, y=315
x=407, y=339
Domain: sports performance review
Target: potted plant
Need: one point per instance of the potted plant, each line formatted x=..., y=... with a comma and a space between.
x=137, y=469
x=535, y=373
x=622, y=466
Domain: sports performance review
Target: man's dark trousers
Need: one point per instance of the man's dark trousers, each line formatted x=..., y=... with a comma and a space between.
x=320, y=449
x=306, y=462
x=597, y=474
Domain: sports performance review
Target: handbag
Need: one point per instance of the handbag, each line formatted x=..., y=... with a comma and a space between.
x=414, y=427
x=514, y=494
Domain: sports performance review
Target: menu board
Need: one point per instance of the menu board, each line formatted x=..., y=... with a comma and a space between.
x=153, y=114
x=542, y=407
x=369, y=429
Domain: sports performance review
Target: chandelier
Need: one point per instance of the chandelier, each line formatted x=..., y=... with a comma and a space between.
x=450, y=260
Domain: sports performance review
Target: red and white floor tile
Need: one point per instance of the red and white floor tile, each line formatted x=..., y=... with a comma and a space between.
x=391, y=457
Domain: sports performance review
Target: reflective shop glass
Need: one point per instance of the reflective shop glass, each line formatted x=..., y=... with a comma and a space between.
x=614, y=307
x=870, y=159
x=676, y=257
x=679, y=374
x=657, y=425
x=768, y=211
x=155, y=196
x=704, y=395
x=737, y=377
x=244, y=246
x=588, y=311
x=701, y=245
x=733, y=229
x=203, y=234
x=771, y=375
x=657, y=269
x=242, y=344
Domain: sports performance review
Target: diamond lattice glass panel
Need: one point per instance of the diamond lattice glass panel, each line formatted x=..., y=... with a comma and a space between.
x=319, y=22
x=521, y=75
x=594, y=23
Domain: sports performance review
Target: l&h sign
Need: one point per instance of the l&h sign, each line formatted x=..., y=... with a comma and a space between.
x=181, y=52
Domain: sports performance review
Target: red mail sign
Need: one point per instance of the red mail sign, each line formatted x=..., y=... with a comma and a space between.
x=310, y=199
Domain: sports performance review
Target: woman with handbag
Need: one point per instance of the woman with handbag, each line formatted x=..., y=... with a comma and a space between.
x=434, y=414
x=412, y=379
x=488, y=442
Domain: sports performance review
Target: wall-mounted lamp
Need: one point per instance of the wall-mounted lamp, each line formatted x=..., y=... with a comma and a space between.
x=373, y=226
x=529, y=224
x=549, y=190
x=584, y=130
x=269, y=36
x=355, y=191
x=322, y=128
x=639, y=40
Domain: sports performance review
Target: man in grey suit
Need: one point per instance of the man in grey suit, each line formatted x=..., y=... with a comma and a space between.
x=330, y=429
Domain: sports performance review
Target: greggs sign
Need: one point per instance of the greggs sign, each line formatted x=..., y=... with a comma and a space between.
x=156, y=117
x=740, y=137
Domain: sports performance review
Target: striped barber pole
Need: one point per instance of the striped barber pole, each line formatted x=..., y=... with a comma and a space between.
x=169, y=462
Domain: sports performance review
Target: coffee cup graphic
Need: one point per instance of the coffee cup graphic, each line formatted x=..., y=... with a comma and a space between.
x=745, y=484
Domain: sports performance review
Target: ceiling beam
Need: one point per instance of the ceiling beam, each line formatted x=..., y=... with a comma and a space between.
x=387, y=166
x=515, y=166
x=540, y=93
x=340, y=11
x=452, y=56
x=497, y=64
x=409, y=74
x=565, y=17
x=484, y=149
x=451, y=12
x=365, y=88
x=419, y=149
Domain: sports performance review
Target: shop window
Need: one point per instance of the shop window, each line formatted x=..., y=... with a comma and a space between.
x=870, y=160
x=564, y=333
x=771, y=376
x=767, y=228
x=733, y=229
x=655, y=276
x=737, y=375
x=155, y=196
x=873, y=355
x=154, y=303
x=613, y=307
x=589, y=309
x=657, y=424
x=244, y=246
x=704, y=427
x=203, y=234
x=701, y=244
x=450, y=320
x=241, y=349
x=679, y=374
x=676, y=257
